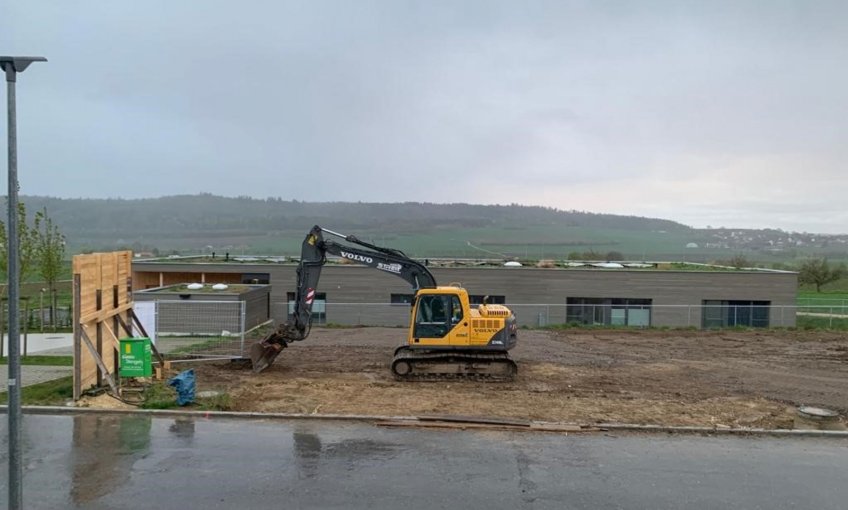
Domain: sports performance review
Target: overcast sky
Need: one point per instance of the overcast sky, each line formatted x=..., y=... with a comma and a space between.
x=709, y=113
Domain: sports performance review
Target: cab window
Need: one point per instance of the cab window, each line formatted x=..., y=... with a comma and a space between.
x=456, y=310
x=435, y=315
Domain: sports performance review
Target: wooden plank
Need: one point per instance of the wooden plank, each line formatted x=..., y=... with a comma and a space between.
x=163, y=370
x=106, y=374
x=491, y=420
x=116, y=340
x=541, y=427
x=102, y=315
x=88, y=374
x=88, y=366
x=77, y=340
x=140, y=327
x=124, y=325
x=562, y=427
x=448, y=425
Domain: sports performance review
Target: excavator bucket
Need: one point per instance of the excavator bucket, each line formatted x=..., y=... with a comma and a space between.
x=262, y=355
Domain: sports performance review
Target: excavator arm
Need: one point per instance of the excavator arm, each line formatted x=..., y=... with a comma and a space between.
x=314, y=252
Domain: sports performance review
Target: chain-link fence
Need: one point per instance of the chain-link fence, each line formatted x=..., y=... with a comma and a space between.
x=839, y=305
x=46, y=318
x=199, y=328
x=546, y=314
x=40, y=319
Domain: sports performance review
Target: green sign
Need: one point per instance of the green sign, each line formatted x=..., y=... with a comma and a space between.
x=135, y=359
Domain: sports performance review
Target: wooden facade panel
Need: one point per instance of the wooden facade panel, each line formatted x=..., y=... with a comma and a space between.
x=124, y=273
x=145, y=280
x=100, y=274
x=213, y=278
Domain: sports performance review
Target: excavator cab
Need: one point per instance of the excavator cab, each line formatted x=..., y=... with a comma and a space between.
x=448, y=338
x=443, y=317
x=436, y=315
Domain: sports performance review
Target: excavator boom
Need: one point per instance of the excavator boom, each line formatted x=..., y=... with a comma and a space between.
x=314, y=252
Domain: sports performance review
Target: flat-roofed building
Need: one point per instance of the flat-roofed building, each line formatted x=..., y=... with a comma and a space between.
x=657, y=294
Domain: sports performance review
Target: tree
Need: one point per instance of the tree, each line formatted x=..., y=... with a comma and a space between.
x=817, y=271
x=738, y=261
x=586, y=255
x=50, y=253
x=27, y=246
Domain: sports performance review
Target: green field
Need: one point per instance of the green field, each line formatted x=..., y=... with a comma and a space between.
x=825, y=306
x=830, y=323
x=530, y=242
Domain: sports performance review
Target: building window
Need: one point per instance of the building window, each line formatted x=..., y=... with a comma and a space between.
x=264, y=278
x=721, y=314
x=402, y=299
x=477, y=299
x=609, y=311
x=319, y=307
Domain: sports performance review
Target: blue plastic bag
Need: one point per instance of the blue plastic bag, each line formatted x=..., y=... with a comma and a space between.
x=184, y=384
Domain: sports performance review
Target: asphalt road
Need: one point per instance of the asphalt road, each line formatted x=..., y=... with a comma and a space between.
x=58, y=344
x=111, y=462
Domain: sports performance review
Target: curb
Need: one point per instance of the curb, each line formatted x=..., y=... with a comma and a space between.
x=602, y=427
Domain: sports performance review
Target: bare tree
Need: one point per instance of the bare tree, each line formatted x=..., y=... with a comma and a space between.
x=819, y=272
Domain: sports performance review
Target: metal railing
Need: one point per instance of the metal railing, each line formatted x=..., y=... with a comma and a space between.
x=836, y=303
x=548, y=314
x=200, y=328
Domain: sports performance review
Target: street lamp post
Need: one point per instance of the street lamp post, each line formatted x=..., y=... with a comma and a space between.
x=12, y=66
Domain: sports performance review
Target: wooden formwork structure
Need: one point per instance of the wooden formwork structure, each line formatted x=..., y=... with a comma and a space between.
x=103, y=314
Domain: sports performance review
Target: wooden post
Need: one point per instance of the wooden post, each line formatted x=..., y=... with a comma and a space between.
x=53, y=311
x=77, y=340
x=2, y=326
x=98, y=333
x=26, y=323
x=104, y=372
x=41, y=310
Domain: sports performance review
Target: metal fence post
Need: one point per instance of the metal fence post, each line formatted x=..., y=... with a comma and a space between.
x=242, y=326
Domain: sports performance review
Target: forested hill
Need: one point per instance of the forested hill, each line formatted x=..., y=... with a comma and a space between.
x=204, y=218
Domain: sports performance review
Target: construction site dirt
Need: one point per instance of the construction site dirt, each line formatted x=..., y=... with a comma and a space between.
x=727, y=378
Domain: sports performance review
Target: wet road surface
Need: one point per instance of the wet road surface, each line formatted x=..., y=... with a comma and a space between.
x=115, y=462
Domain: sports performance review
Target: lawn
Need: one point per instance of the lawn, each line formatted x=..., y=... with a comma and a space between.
x=56, y=361
x=833, y=302
x=830, y=323
x=55, y=392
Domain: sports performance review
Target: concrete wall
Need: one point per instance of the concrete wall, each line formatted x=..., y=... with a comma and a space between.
x=357, y=294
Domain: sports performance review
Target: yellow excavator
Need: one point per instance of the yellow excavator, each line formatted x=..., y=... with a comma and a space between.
x=447, y=336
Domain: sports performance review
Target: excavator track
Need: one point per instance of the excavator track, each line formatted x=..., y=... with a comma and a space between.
x=420, y=365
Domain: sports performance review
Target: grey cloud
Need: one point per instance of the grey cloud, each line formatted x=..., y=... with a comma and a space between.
x=394, y=101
